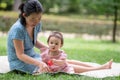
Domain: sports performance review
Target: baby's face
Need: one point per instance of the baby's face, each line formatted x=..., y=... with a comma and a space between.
x=54, y=44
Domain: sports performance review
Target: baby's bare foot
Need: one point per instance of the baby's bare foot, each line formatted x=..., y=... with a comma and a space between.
x=108, y=65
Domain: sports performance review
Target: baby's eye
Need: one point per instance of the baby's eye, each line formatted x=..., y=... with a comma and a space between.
x=32, y=18
x=51, y=42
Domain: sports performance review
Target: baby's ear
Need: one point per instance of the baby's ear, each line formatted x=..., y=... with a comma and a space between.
x=61, y=45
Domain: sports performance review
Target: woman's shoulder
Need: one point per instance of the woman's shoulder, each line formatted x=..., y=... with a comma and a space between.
x=17, y=26
x=17, y=30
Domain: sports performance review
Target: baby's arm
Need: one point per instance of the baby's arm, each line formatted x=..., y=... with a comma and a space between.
x=61, y=61
x=58, y=62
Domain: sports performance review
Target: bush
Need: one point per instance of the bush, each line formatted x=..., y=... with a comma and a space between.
x=6, y=22
x=91, y=27
x=65, y=24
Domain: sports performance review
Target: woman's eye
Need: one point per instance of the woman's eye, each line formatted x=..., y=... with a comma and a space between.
x=38, y=18
x=32, y=18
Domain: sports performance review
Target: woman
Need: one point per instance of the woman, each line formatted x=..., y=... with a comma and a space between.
x=22, y=38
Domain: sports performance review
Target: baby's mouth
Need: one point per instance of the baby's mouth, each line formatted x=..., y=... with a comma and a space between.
x=53, y=48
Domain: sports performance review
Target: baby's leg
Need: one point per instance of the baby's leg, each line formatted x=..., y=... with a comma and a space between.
x=79, y=63
x=80, y=69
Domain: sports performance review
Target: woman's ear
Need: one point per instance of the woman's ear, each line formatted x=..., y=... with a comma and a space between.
x=24, y=15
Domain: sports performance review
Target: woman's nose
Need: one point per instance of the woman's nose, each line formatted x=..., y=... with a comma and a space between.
x=36, y=21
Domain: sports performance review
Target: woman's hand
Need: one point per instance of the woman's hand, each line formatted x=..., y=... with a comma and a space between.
x=43, y=68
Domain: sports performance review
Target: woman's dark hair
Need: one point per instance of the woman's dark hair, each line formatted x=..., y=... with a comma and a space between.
x=29, y=7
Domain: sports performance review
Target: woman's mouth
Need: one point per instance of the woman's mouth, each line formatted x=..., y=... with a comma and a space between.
x=33, y=25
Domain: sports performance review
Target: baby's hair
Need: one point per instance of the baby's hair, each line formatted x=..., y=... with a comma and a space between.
x=57, y=35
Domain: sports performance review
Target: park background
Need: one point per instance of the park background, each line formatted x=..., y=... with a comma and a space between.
x=91, y=29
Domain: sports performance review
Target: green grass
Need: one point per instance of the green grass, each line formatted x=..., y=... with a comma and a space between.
x=3, y=46
x=92, y=51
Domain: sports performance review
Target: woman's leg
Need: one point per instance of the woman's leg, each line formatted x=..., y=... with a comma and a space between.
x=79, y=63
x=80, y=69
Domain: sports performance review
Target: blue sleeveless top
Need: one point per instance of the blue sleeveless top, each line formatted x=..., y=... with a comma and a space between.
x=18, y=31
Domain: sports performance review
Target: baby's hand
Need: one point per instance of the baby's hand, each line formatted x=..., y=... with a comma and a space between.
x=50, y=63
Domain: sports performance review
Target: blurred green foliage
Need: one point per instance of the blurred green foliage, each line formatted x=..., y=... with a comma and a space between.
x=96, y=7
x=67, y=24
x=7, y=19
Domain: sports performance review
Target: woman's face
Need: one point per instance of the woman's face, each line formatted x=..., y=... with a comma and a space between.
x=33, y=19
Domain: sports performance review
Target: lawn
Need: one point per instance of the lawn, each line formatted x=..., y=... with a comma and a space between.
x=76, y=48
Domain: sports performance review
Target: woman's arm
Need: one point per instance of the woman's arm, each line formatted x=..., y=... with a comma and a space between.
x=40, y=45
x=19, y=48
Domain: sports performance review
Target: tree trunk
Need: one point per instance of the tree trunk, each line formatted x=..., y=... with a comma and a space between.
x=115, y=23
x=16, y=4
